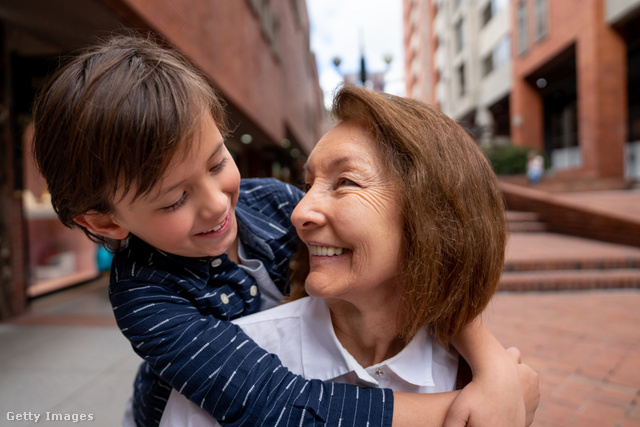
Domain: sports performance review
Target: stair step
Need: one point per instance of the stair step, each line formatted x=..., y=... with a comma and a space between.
x=629, y=262
x=522, y=216
x=569, y=280
x=527, y=226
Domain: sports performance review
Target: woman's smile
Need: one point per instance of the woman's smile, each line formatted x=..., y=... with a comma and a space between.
x=326, y=251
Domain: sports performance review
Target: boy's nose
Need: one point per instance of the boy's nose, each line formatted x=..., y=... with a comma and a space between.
x=213, y=203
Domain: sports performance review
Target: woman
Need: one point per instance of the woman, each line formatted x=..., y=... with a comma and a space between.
x=405, y=228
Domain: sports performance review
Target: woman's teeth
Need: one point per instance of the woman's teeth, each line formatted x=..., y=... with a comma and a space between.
x=325, y=250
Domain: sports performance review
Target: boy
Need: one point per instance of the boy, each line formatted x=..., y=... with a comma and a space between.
x=130, y=139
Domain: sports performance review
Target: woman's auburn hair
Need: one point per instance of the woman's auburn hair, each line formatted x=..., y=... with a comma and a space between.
x=112, y=118
x=454, y=226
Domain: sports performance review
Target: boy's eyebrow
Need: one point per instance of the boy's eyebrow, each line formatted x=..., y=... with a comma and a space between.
x=179, y=183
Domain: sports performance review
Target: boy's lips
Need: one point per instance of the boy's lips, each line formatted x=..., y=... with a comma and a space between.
x=218, y=229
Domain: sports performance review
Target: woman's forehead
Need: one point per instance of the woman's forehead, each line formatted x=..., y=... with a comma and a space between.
x=347, y=142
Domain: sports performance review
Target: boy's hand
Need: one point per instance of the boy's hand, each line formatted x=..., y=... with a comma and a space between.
x=483, y=404
x=529, y=383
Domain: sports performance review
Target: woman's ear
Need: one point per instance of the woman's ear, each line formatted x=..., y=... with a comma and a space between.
x=102, y=224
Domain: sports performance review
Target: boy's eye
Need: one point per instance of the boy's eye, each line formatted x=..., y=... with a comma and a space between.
x=177, y=204
x=219, y=166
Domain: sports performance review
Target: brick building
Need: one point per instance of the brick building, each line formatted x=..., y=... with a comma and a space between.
x=568, y=84
x=256, y=53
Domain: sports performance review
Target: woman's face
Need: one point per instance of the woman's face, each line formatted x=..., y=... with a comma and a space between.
x=350, y=219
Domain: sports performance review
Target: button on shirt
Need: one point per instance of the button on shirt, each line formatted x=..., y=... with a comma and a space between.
x=173, y=311
x=302, y=335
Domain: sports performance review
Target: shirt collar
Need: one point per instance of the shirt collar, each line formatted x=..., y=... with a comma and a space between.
x=319, y=344
x=256, y=229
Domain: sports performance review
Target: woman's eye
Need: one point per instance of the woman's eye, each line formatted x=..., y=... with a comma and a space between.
x=177, y=204
x=345, y=181
x=307, y=187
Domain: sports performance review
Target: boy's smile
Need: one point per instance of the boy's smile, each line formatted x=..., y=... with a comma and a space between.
x=191, y=211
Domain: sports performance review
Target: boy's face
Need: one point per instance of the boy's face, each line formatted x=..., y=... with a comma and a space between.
x=191, y=211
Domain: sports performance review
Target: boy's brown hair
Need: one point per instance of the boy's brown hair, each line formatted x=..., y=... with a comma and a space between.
x=112, y=118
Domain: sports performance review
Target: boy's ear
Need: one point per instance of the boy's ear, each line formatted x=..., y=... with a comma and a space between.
x=102, y=224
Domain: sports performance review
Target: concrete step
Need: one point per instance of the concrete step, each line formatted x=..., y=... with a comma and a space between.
x=526, y=227
x=527, y=222
x=522, y=216
x=550, y=261
x=602, y=263
x=553, y=280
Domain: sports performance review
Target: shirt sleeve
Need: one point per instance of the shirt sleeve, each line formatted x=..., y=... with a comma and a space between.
x=218, y=367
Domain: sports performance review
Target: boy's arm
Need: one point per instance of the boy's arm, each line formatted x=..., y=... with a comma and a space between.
x=495, y=395
x=218, y=367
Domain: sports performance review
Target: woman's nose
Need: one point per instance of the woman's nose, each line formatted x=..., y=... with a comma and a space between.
x=309, y=212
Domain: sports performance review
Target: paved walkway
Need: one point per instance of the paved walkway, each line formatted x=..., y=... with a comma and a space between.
x=585, y=346
x=65, y=358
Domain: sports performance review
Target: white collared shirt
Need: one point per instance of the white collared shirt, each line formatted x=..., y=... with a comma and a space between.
x=302, y=335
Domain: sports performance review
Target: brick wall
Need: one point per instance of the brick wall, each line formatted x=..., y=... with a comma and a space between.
x=272, y=80
x=601, y=82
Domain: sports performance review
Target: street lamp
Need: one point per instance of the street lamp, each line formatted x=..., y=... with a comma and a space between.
x=362, y=76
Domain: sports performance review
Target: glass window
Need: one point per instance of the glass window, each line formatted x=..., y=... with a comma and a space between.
x=498, y=56
x=487, y=64
x=540, y=16
x=487, y=14
x=460, y=36
x=523, y=42
x=502, y=51
x=461, y=80
x=492, y=8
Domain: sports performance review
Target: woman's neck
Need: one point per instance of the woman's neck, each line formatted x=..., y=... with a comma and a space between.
x=370, y=336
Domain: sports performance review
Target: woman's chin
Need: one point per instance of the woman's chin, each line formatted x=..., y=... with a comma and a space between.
x=320, y=286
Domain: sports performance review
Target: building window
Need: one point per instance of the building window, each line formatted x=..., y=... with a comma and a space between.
x=461, y=80
x=487, y=64
x=523, y=42
x=492, y=8
x=498, y=56
x=460, y=35
x=502, y=51
x=541, y=19
x=487, y=14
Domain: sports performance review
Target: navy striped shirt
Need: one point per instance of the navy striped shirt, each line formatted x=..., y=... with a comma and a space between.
x=175, y=311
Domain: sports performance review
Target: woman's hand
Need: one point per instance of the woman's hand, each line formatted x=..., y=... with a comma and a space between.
x=495, y=399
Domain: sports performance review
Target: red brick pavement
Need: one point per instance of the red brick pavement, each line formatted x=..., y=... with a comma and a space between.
x=585, y=346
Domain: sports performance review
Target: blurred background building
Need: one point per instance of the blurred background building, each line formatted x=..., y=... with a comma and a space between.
x=560, y=77
x=255, y=52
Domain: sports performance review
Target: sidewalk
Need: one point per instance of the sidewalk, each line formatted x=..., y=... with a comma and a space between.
x=585, y=346
x=66, y=357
